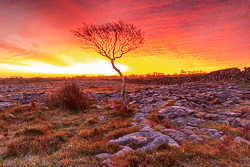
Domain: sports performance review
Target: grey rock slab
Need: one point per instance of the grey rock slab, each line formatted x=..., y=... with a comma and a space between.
x=246, y=92
x=125, y=149
x=157, y=141
x=240, y=139
x=138, y=140
x=146, y=128
x=159, y=104
x=11, y=115
x=182, y=102
x=191, y=136
x=106, y=162
x=134, y=123
x=138, y=115
x=101, y=118
x=142, y=119
x=188, y=121
x=124, y=140
x=99, y=107
x=154, y=137
x=238, y=122
x=223, y=122
x=211, y=116
x=195, y=138
x=178, y=110
x=222, y=117
x=228, y=113
x=247, y=124
x=194, y=129
x=214, y=133
x=104, y=156
x=5, y=104
x=174, y=134
x=147, y=109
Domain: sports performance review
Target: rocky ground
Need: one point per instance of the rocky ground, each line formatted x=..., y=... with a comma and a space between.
x=194, y=104
x=185, y=107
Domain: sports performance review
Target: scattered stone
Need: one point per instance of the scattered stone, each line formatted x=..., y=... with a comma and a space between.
x=213, y=133
x=223, y=122
x=191, y=136
x=98, y=107
x=5, y=104
x=147, y=109
x=124, y=150
x=223, y=138
x=106, y=162
x=147, y=99
x=134, y=123
x=104, y=156
x=176, y=111
x=246, y=92
x=138, y=140
x=174, y=134
x=188, y=121
x=194, y=129
x=11, y=115
x=101, y=118
x=154, y=137
x=240, y=139
x=157, y=141
x=238, y=122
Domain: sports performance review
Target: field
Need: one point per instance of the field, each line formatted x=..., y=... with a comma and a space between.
x=81, y=122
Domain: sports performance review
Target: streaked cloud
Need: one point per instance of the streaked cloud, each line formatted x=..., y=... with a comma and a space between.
x=191, y=34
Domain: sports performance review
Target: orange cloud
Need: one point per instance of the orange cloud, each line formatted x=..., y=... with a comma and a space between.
x=191, y=35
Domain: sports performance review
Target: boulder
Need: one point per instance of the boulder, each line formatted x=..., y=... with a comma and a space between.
x=154, y=138
x=101, y=118
x=213, y=133
x=138, y=141
x=188, y=121
x=178, y=111
x=124, y=150
x=240, y=139
x=104, y=156
x=157, y=141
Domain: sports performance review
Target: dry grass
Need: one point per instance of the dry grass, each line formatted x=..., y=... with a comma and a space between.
x=70, y=97
x=37, y=136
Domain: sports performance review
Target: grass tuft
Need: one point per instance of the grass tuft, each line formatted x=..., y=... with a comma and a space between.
x=70, y=97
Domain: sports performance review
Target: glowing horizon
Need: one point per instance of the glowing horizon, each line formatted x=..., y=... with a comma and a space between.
x=191, y=35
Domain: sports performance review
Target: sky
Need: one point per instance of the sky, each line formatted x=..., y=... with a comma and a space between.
x=208, y=35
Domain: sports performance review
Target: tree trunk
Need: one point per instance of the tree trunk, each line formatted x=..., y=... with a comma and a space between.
x=125, y=105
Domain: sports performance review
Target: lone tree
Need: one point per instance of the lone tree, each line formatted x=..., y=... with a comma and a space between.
x=111, y=40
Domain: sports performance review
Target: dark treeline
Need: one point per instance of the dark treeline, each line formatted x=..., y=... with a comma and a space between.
x=234, y=75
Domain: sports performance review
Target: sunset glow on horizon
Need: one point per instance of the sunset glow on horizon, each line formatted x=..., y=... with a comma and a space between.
x=207, y=35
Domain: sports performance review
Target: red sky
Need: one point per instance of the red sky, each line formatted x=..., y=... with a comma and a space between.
x=180, y=34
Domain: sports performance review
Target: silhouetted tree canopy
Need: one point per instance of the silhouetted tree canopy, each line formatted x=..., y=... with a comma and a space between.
x=111, y=40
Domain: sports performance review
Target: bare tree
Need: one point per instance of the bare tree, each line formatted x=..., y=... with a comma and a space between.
x=111, y=40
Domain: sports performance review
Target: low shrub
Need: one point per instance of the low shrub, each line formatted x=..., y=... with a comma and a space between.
x=245, y=110
x=118, y=109
x=70, y=97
